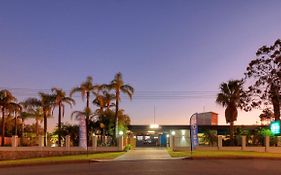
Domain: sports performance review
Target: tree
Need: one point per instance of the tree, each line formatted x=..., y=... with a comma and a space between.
x=7, y=103
x=85, y=89
x=118, y=85
x=231, y=96
x=265, y=71
x=32, y=109
x=46, y=102
x=60, y=100
x=266, y=116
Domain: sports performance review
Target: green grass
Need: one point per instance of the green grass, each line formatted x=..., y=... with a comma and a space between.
x=223, y=154
x=60, y=159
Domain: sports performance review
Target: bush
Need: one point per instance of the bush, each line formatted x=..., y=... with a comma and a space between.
x=128, y=147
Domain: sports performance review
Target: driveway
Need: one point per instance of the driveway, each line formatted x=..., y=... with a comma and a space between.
x=145, y=154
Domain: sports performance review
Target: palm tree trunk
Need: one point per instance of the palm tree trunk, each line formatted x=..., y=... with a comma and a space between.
x=59, y=125
x=37, y=127
x=16, y=129
x=232, y=133
x=87, y=118
x=22, y=130
x=45, y=128
x=116, y=114
x=3, y=127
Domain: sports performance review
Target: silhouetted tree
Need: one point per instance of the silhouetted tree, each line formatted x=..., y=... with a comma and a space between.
x=265, y=71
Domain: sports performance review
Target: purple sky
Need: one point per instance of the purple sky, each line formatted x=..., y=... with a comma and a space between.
x=158, y=45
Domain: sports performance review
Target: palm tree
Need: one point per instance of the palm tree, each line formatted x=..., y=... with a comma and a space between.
x=7, y=102
x=231, y=96
x=85, y=89
x=46, y=102
x=118, y=85
x=103, y=100
x=60, y=100
x=31, y=109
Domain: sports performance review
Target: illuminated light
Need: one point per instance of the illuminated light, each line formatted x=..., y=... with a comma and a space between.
x=121, y=133
x=154, y=126
x=167, y=135
x=183, y=132
x=94, y=134
x=275, y=127
x=151, y=132
x=155, y=137
x=173, y=133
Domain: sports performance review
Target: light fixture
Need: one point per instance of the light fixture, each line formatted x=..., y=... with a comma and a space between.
x=121, y=133
x=154, y=126
x=168, y=135
x=173, y=133
x=183, y=132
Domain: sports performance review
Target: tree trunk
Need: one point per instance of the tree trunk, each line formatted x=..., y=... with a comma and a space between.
x=16, y=129
x=231, y=130
x=45, y=128
x=37, y=127
x=116, y=115
x=275, y=99
x=59, y=125
x=87, y=118
x=3, y=127
x=22, y=130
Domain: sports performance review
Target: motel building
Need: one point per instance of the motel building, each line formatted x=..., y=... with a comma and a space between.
x=155, y=135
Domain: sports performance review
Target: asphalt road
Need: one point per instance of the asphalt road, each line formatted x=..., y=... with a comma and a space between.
x=154, y=167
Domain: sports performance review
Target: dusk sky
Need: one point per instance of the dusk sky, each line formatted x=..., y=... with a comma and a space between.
x=175, y=53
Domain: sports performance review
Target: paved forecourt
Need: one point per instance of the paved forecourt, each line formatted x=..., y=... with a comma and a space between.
x=145, y=154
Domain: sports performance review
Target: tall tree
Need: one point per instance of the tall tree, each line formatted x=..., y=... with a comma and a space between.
x=7, y=102
x=231, y=96
x=46, y=102
x=85, y=89
x=32, y=109
x=265, y=72
x=118, y=85
x=60, y=100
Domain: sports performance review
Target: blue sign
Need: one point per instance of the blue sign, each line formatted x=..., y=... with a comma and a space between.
x=194, y=130
x=275, y=127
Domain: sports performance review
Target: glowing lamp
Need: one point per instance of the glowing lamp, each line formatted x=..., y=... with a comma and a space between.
x=275, y=127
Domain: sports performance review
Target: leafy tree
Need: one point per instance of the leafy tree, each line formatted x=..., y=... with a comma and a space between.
x=231, y=96
x=267, y=115
x=118, y=85
x=71, y=130
x=265, y=71
x=85, y=89
x=60, y=100
x=7, y=103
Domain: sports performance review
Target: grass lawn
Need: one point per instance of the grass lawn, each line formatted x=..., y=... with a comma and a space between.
x=60, y=159
x=223, y=154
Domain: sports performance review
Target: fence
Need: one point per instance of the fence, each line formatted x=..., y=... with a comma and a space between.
x=176, y=145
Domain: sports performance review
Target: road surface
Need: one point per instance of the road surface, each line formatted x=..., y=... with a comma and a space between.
x=154, y=167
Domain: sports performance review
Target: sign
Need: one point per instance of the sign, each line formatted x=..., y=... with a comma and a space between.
x=82, y=133
x=275, y=127
x=194, y=130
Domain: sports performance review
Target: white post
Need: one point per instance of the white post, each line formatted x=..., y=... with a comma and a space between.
x=219, y=142
x=41, y=141
x=67, y=141
x=14, y=141
x=172, y=142
x=120, y=143
x=94, y=142
x=267, y=143
x=243, y=143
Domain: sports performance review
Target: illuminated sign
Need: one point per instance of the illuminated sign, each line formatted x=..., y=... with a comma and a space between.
x=275, y=127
